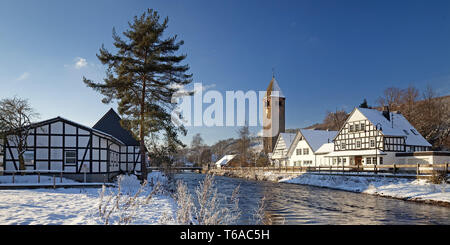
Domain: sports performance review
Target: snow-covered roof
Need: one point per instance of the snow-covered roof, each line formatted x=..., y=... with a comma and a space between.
x=224, y=160
x=325, y=148
x=274, y=89
x=288, y=138
x=397, y=126
x=316, y=138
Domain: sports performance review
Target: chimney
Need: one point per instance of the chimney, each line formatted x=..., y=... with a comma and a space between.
x=386, y=113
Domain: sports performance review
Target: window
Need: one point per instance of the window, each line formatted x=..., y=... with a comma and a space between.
x=363, y=127
x=381, y=160
x=369, y=160
x=351, y=128
x=307, y=162
x=305, y=151
x=358, y=144
x=356, y=127
x=70, y=157
x=299, y=151
x=372, y=143
x=374, y=160
x=343, y=146
x=28, y=157
x=344, y=161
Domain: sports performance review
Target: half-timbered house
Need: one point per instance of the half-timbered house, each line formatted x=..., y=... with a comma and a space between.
x=58, y=144
x=371, y=136
x=279, y=156
x=367, y=137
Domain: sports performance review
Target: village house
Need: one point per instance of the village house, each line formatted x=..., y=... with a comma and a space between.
x=367, y=137
x=61, y=145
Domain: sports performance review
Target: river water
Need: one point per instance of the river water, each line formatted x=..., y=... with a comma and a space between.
x=300, y=204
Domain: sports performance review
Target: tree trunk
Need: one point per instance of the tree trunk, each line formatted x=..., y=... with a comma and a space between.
x=141, y=135
x=20, y=151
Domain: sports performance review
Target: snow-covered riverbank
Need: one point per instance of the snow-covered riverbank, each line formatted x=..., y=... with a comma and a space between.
x=400, y=188
x=76, y=206
x=406, y=189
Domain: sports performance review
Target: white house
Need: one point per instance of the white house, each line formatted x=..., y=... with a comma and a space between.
x=58, y=144
x=279, y=155
x=307, y=142
x=368, y=136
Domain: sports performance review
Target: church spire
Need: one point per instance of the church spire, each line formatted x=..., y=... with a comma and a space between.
x=274, y=90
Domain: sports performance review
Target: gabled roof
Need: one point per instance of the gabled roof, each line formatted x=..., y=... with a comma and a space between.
x=314, y=138
x=398, y=126
x=325, y=148
x=61, y=119
x=288, y=138
x=225, y=160
x=274, y=89
x=110, y=124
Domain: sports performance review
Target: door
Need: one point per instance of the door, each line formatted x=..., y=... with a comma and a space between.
x=358, y=160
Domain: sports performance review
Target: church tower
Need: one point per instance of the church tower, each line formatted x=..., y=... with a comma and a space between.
x=273, y=115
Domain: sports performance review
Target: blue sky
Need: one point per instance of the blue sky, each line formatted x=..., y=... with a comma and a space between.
x=327, y=55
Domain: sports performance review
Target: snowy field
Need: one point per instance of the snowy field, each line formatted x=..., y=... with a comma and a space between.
x=407, y=189
x=33, y=179
x=77, y=206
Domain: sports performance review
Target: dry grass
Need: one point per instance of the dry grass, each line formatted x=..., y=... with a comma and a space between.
x=210, y=208
x=119, y=208
x=438, y=177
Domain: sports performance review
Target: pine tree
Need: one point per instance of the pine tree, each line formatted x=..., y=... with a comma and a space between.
x=364, y=104
x=142, y=77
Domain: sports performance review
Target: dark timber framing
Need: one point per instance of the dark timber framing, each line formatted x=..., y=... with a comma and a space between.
x=363, y=135
x=51, y=140
x=367, y=133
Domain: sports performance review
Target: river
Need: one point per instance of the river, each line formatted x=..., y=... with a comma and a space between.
x=300, y=204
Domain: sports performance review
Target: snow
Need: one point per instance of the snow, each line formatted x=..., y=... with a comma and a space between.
x=316, y=138
x=325, y=148
x=400, y=124
x=408, y=189
x=276, y=90
x=33, y=179
x=224, y=160
x=288, y=138
x=77, y=206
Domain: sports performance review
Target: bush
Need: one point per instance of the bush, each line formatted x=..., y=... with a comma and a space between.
x=438, y=177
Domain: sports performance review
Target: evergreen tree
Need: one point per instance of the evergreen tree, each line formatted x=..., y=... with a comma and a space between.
x=364, y=104
x=142, y=77
x=244, y=144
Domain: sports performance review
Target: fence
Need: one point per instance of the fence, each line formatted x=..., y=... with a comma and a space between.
x=418, y=169
x=39, y=172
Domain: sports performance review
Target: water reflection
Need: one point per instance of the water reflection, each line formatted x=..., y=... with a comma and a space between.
x=297, y=204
